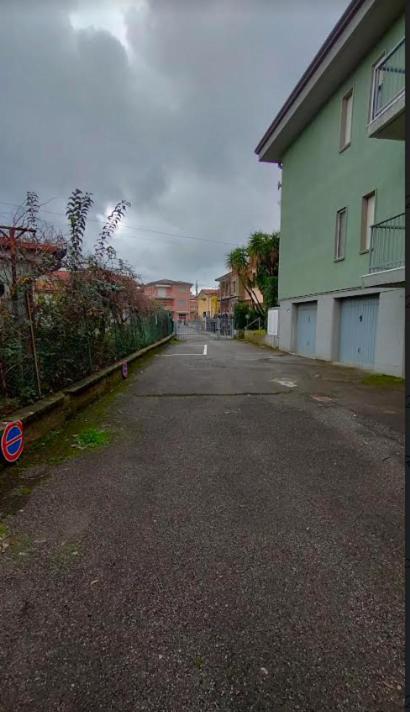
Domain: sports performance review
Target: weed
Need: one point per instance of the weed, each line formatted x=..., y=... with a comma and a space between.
x=4, y=531
x=90, y=438
x=381, y=379
x=66, y=554
x=199, y=662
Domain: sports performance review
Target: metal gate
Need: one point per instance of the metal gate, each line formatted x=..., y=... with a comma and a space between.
x=358, y=325
x=219, y=327
x=306, y=328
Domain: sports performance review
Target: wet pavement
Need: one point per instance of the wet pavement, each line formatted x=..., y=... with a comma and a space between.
x=237, y=546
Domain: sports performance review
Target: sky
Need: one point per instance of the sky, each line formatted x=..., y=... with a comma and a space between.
x=158, y=102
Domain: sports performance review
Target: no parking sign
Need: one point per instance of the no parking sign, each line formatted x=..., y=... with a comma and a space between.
x=12, y=441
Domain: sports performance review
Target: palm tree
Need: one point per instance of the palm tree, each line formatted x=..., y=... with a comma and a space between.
x=238, y=261
x=263, y=249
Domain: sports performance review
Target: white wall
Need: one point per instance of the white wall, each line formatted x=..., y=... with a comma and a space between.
x=389, y=352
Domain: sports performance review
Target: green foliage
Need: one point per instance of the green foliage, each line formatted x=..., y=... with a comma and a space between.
x=257, y=265
x=381, y=379
x=237, y=260
x=78, y=206
x=244, y=315
x=95, y=317
x=90, y=438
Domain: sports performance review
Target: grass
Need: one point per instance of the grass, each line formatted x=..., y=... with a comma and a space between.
x=256, y=332
x=4, y=531
x=90, y=438
x=67, y=553
x=381, y=379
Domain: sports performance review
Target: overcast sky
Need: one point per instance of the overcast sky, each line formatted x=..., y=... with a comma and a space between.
x=160, y=102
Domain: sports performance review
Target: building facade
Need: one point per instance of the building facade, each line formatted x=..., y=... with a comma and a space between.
x=173, y=296
x=339, y=140
x=208, y=303
x=193, y=308
x=232, y=291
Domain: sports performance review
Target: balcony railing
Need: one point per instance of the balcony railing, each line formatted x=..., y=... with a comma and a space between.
x=389, y=80
x=387, y=244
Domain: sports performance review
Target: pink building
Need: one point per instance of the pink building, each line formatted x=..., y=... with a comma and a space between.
x=173, y=296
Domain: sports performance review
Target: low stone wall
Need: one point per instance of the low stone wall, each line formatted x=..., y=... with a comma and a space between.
x=51, y=412
x=261, y=338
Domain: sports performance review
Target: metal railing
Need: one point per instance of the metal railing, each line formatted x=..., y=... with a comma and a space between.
x=387, y=244
x=389, y=79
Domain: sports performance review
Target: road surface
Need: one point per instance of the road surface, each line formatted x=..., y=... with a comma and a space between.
x=236, y=547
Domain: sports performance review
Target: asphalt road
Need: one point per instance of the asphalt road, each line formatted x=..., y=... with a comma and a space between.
x=237, y=547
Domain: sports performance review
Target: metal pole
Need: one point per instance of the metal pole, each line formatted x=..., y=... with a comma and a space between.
x=33, y=344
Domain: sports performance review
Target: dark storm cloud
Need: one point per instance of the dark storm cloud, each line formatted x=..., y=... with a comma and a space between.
x=169, y=122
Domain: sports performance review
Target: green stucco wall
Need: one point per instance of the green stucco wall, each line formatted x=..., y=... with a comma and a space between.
x=318, y=180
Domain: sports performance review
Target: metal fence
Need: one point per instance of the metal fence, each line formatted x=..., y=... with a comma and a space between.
x=40, y=354
x=389, y=79
x=216, y=327
x=387, y=244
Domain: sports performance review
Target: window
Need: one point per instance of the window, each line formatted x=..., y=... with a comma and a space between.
x=162, y=292
x=377, y=88
x=340, y=240
x=346, y=120
x=368, y=213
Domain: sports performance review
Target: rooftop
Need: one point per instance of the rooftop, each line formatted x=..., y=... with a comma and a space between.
x=167, y=281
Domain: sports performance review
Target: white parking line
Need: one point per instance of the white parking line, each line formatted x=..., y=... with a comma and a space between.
x=284, y=382
x=204, y=353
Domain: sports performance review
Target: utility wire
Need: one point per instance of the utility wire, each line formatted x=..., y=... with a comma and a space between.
x=133, y=227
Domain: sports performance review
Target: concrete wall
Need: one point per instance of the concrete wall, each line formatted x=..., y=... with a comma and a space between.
x=389, y=351
x=389, y=355
x=318, y=180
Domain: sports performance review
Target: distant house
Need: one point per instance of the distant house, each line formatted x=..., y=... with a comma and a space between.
x=173, y=296
x=208, y=302
x=52, y=283
x=193, y=308
x=232, y=292
x=22, y=260
x=339, y=140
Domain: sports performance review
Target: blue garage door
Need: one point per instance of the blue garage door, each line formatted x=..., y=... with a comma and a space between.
x=358, y=325
x=306, y=328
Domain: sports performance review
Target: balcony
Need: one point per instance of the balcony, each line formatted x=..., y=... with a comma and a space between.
x=388, y=102
x=386, y=254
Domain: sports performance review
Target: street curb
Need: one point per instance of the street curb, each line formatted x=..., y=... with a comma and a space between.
x=51, y=412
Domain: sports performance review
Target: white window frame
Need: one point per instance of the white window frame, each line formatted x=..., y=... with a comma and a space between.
x=375, y=66
x=345, y=142
x=366, y=227
x=340, y=240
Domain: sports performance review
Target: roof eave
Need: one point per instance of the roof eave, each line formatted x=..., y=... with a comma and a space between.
x=362, y=24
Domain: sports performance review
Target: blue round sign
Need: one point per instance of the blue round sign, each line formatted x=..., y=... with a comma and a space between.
x=12, y=441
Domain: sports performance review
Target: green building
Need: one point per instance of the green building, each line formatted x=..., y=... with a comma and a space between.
x=339, y=140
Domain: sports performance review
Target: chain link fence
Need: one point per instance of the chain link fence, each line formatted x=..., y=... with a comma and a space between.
x=49, y=345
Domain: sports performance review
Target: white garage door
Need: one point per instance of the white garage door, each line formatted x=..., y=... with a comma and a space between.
x=306, y=328
x=358, y=325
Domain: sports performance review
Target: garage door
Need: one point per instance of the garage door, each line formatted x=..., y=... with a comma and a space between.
x=306, y=328
x=358, y=324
